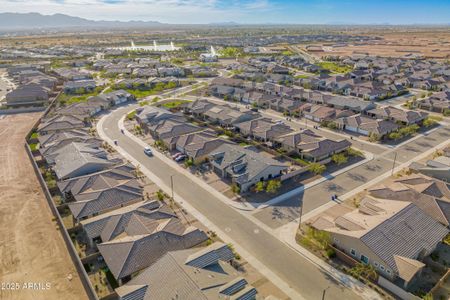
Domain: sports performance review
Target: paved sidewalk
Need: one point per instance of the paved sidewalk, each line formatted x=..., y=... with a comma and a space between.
x=180, y=169
x=374, y=181
x=200, y=217
x=258, y=206
x=287, y=234
x=358, y=287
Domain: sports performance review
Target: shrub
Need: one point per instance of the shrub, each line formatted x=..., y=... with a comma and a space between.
x=160, y=195
x=395, y=135
x=316, y=168
x=330, y=253
x=34, y=147
x=373, y=137
x=236, y=189
x=260, y=186
x=428, y=122
x=273, y=186
x=131, y=115
x=339, y=158
x=353, y=152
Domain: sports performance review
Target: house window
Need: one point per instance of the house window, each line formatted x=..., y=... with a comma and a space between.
x=388, y=271
x=353, y=252
x=381, y=267
x=376, y=264
x=364, y=259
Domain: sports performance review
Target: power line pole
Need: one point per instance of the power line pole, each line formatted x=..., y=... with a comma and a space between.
x=393, y=165
x=301, y=212
x=324, y=292
x=171, y=185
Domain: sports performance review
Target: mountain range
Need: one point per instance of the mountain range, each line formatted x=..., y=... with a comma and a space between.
x=10, y=21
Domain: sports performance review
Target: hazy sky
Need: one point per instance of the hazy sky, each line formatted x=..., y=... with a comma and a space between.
x=245, y=11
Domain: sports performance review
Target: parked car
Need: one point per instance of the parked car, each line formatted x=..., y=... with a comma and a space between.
x=148, y=151
x=180, y=158
x=176, y=155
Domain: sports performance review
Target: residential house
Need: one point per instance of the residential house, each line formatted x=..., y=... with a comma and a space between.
x=150, y=116
x=60, y=123
x=192, y=274
x=348, y=103
x=103, y=226
x=263, y=129
x=199, y=145
x=168, y=131
x=311, y=146
x=430, y=195
x=134, y=241
x=79, y=86
x=78, y=159
x=244, y=167
x=225, y=115
x=115, y=97
x=28, y=94
x=438, y=168
x=96, y=193
x=398, y=115
x=319, y=113
x=392, y=236
x=366, y=126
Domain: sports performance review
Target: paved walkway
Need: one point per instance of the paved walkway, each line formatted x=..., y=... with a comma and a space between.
x=343, y=279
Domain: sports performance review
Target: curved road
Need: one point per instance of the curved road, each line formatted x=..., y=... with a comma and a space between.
x=293, y=273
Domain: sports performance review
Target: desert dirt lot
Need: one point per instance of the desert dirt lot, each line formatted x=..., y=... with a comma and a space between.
x=31, y=247
x=428, y=44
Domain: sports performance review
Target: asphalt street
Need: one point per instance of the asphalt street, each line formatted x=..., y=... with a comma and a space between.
x=294, y=269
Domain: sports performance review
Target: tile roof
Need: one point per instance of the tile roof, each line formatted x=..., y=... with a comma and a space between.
x=171, y=278
x=134, y=240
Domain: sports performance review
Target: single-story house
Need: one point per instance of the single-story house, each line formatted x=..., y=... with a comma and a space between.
x=244, y=167
x=311, y=146
x=392, y=236
x=200, y=274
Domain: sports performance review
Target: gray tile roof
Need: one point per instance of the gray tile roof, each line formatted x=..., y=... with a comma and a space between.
x=307, y=141
x=77, y=159
x=59, y=123
x=377, y=126
x=134, y=241
x=406, y=234
x=242, y=164
x=171, y=278
x=102, y=191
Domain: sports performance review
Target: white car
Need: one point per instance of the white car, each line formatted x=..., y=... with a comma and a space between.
x=148, y=151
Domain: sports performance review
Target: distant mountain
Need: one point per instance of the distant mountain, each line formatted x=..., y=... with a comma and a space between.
x=37, y=21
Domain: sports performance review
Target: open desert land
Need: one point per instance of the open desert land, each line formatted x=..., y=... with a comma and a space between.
x=429, y=44
x=32, y=249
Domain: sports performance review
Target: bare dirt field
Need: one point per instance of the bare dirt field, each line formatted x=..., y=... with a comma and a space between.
x=32, y=249
x=426, y=43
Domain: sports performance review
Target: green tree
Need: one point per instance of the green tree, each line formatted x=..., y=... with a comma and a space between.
x=339, y=158
x=273, y=186
x=316, y=168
